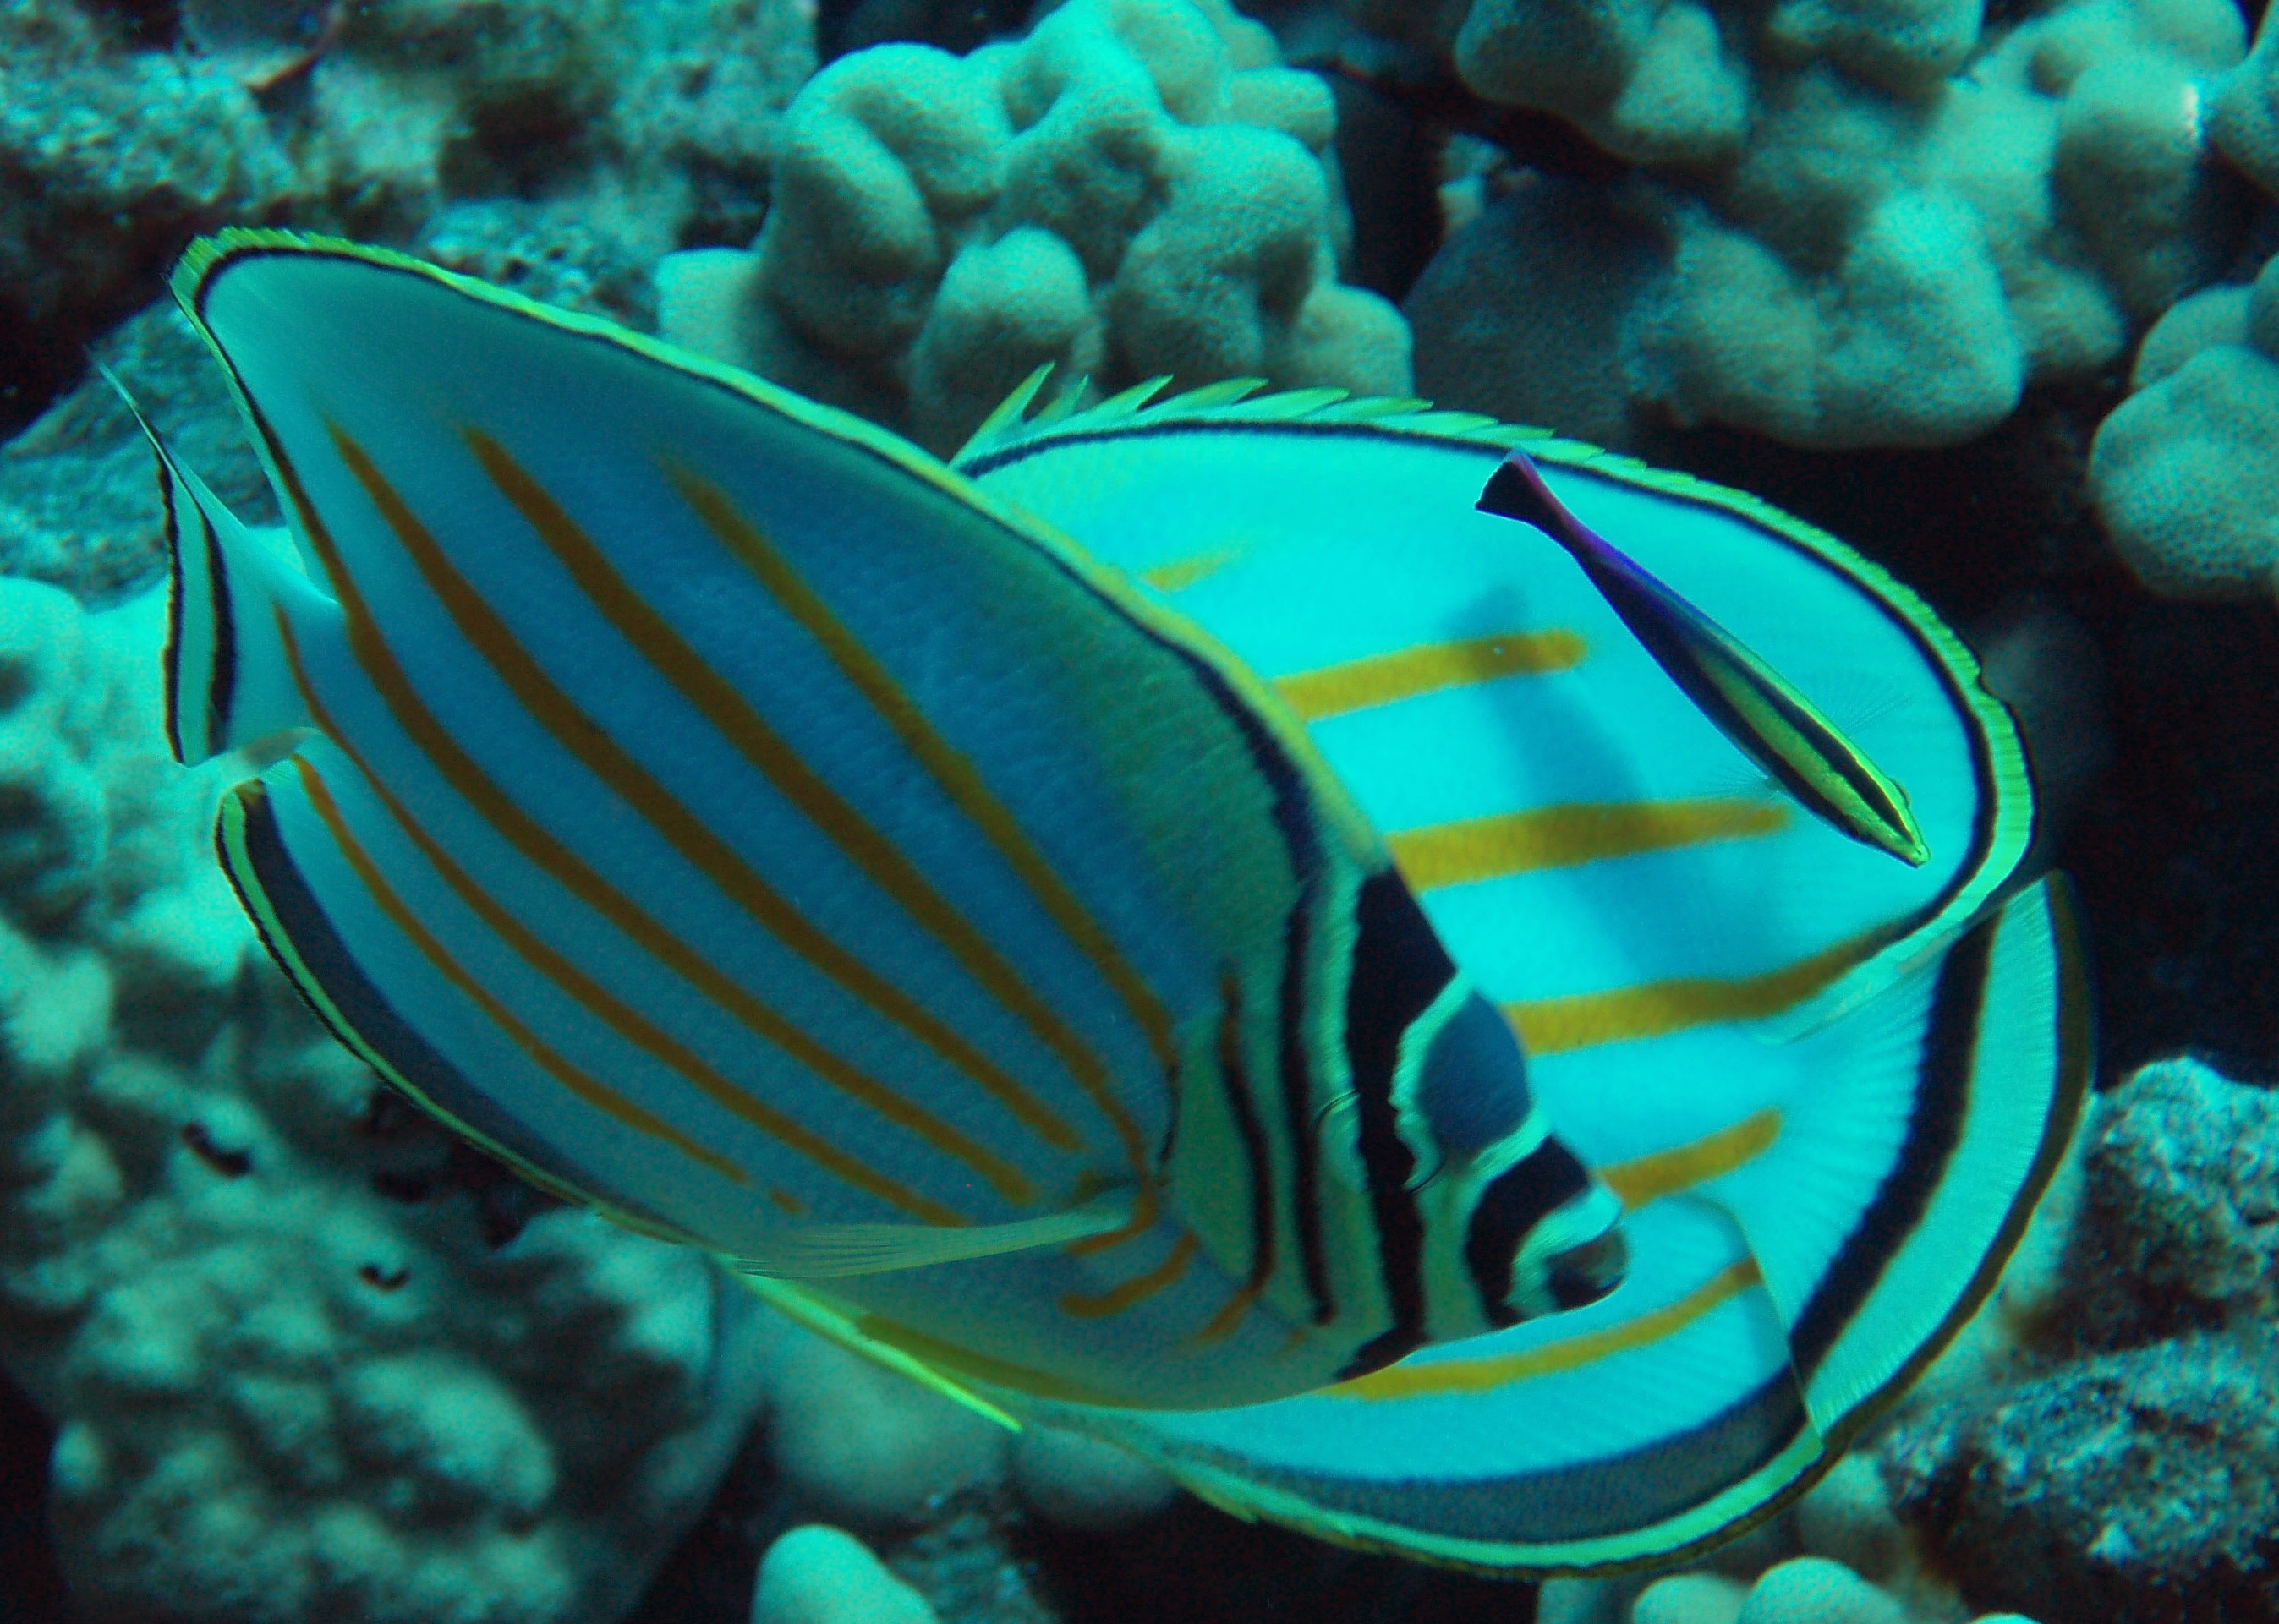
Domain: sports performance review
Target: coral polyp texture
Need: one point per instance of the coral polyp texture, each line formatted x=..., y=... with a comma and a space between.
x=2126, y=1466
x=306, y=1359
x=1843, y=225
x=2185, y=473
x=1137, y=188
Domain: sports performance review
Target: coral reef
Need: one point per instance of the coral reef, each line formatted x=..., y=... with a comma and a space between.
x=2133, y=1485
x=2185, y=473
x=2125, y=1464
x=307, y=1359
x=1843, y=225
x=819, y=1574
x=1135, y=189
x=2244, y=117
x=76, y=492
x=1840, y=1557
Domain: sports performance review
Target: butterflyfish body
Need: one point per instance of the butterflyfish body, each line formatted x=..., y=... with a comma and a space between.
x=737, y=819
x=1064, y=914
x=1771, y=722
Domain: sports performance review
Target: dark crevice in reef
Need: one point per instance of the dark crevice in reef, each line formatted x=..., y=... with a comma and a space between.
x=31, y=1588
x=1259, y=1574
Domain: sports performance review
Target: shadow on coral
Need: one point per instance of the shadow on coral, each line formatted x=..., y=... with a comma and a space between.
x=31, y=1589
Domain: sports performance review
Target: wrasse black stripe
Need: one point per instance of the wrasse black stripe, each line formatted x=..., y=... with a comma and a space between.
x=221, y=688
x=1399, y=969
x=1710, y=695
x=1934, y=1130
x=1515, y=1200
x=1235, y=1080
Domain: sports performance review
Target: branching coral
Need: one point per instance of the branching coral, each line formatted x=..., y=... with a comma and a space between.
x=1135, y=189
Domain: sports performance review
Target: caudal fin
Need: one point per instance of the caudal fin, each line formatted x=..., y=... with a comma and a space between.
x=227, y=681
x=1906, y=1168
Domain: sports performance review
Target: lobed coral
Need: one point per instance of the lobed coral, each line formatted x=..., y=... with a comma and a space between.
x=1137, y=188
x=1844, y=225
x=2185, y=473
x=307, y=1359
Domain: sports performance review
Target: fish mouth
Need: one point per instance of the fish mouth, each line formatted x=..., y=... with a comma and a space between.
x=1582, y=1275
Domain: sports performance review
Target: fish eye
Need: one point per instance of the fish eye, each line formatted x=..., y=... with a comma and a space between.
x=1582, y=1275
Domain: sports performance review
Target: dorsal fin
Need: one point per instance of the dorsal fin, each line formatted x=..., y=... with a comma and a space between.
x=1235, y=399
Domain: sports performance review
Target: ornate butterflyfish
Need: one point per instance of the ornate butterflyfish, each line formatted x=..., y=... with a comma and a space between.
x=1814, y=1205
x=1766, y=718
x=736, y=818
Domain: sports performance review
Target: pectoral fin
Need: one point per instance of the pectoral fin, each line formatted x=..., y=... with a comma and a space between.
x=837, y=1251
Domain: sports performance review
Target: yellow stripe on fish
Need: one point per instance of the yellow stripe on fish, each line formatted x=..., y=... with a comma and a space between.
x=1462, y=853
x=1929, y=1032
x=1114, y=1069
x=1384, y=680
x=638, y=1027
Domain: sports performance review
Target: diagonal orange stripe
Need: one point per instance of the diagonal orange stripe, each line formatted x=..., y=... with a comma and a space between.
x=1480, y=1376
x=593, y=1092
x=1654, y=1009
x=1138, y=1290
x=629, y=1022
x=1567, y=836
x=962, y=783
x=380, y=666
x=736, y=720
x=1180, y=573
x=1382, y=679
x=615, y=766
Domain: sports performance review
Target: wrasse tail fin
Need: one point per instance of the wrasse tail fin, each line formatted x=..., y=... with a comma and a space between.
x=227, y=681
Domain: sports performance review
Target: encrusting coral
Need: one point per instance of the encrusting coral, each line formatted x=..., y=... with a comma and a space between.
x=1136, y=188
x=307, y=1360
x=2123, y=1463
x=1844, y=225
x=649, y=124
